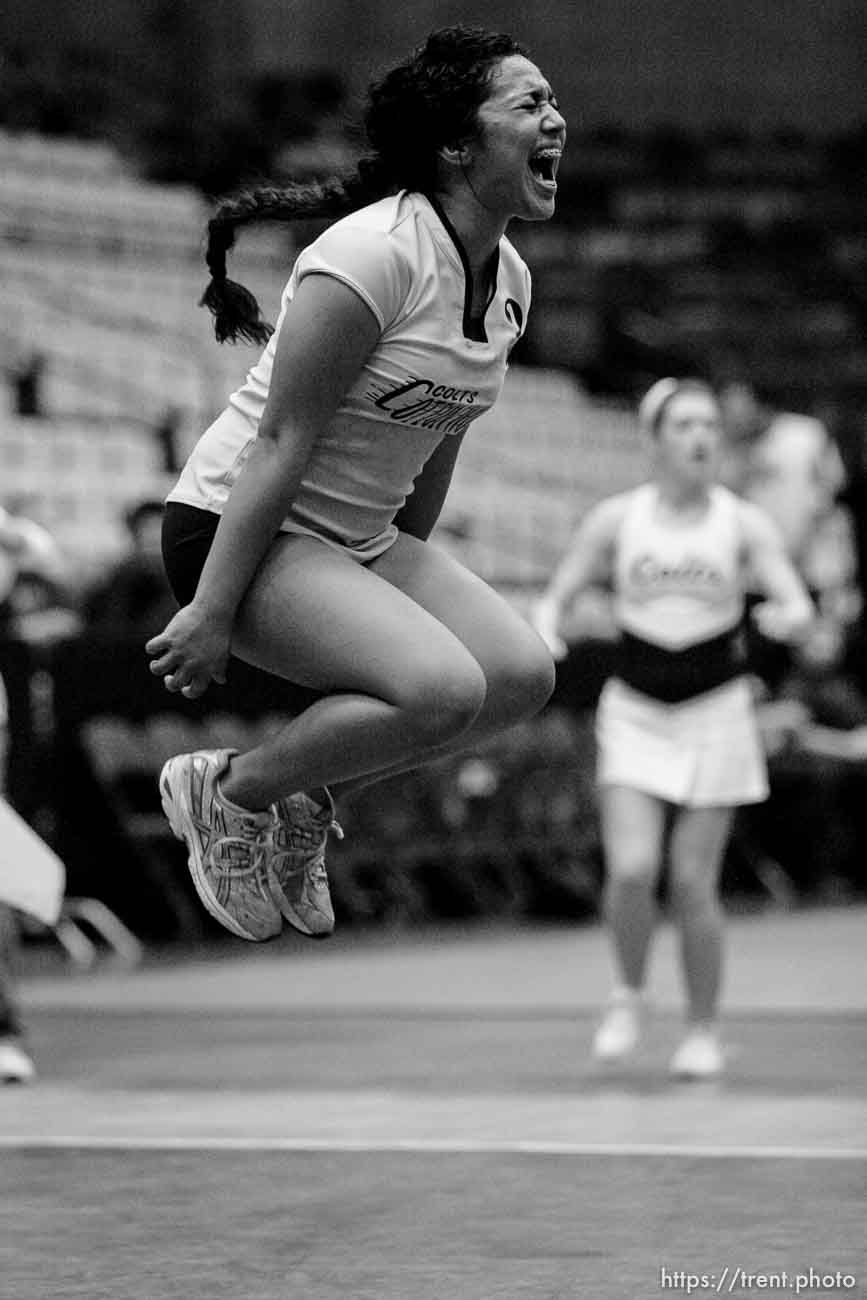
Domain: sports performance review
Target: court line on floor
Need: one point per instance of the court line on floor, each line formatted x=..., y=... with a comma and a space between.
x=422, y=1146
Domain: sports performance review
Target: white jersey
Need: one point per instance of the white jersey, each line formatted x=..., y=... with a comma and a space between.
x=425, y=379
x=677, y=584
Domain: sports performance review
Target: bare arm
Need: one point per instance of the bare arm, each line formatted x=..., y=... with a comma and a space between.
x=587, y=563
x=326, y=336
x=787, y=611
x=422, y=508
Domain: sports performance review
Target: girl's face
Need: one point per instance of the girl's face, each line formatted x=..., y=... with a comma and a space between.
x=511, y=165
x=688, y=437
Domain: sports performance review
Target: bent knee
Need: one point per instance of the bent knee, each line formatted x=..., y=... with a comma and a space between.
x=442, y=708
x=694, y=892
x=539, y=679
x=524, y=688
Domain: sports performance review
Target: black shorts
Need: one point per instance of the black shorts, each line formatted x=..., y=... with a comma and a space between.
x=187, y=536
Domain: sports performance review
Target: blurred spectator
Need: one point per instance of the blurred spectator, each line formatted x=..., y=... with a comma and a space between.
x=35, y=581
x=166, y=437
x=814, y=727
x=134, y=598
x=26, y=381
x=15, y=1066
x=24, y=548
x=787, y=463
x=854, y=497
x=790, y=465
x=15, y=1063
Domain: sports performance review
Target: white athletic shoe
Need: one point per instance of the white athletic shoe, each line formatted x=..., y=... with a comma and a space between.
x=699, y=1056
x=15, y=1065
x=296, y=863
x=619, y=1033
x=228, y=845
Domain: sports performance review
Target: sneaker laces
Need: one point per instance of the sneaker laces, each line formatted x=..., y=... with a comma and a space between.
x=291, y=858
x=315, y=869
x=250, y=840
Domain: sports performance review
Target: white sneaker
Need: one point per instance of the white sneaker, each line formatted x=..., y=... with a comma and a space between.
x=700, y=1055
x=15, y=1065
x=228, y=845
x=620, y=1031
x=296, y=863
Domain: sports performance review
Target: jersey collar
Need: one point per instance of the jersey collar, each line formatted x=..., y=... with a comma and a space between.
x=473, y=328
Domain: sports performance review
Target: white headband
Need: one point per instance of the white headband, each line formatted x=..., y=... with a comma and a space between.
x=653, y=401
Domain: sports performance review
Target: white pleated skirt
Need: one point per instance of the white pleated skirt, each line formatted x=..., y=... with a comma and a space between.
x=706, y=751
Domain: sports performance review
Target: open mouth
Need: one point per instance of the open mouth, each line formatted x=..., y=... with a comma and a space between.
x=543, y=167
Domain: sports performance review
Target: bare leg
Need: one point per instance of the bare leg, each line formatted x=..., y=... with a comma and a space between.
x=518, y=671
x=10, y=1021
x=698, y=843
x=404, y=683
x=633, y=826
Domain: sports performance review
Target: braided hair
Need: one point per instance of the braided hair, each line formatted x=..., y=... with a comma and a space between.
x=429, y=101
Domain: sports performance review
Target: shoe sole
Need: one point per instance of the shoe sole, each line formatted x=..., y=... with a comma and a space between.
x=614, y=1058
x=696, y=1076
x=290, y=915
x=194, y=861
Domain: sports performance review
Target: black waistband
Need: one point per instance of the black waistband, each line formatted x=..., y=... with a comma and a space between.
x=676, y=675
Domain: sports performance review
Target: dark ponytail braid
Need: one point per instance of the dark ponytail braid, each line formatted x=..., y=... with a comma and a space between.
x=235, y=310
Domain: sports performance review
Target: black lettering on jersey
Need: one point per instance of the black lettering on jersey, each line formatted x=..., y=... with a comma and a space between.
x=694, y=575
x=425, y=405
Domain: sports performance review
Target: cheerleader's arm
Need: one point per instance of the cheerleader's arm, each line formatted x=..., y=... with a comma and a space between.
x=787, y=612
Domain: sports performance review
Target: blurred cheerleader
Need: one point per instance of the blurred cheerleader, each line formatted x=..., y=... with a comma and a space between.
x=678, y=744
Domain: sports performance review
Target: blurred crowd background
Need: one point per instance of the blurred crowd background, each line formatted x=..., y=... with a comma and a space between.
x=711, y=219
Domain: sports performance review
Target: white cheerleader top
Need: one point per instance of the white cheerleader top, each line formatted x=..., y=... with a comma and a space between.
x=678, y=583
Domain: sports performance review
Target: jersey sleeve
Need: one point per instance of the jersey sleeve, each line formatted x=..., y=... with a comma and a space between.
x=365, y=260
